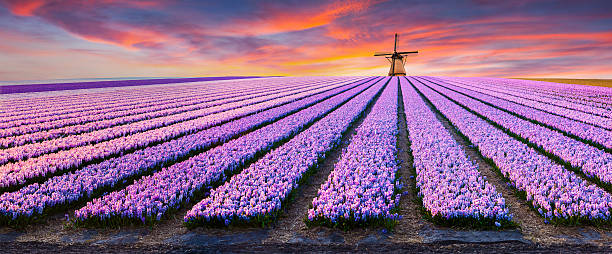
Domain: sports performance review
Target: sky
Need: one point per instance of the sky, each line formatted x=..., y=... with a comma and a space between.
x=45, y=39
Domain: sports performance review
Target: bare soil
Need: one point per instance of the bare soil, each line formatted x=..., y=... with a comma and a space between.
x=587, y=82
x=290, y=227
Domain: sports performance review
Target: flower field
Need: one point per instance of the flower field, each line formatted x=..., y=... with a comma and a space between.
x=240, y=152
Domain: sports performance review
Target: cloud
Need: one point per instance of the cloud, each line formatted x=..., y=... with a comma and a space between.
x=194, y=38
x=26, y=7
x=274, y=18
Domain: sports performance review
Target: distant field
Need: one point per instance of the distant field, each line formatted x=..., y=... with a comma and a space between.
x=588, y=82
x=38, y=87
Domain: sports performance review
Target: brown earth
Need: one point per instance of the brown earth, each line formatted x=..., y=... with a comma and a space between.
x=588, y=82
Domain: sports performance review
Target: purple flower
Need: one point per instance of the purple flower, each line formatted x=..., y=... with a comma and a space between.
x=448, y=182
x=543, y=180
x=269, y=181
x=110, y=172
x=365, y=175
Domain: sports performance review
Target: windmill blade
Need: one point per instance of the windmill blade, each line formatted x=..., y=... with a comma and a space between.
x=408, y=52
x=395, y=44
x=382, y=53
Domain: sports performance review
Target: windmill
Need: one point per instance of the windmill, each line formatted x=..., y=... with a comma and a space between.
x=396, y=59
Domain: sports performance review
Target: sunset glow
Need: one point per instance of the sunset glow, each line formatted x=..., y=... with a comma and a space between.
x=44, y=39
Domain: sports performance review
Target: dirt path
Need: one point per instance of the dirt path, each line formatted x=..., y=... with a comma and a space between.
x=587, y=82
x=290, y=228
x=410, y=225
x=39, y=247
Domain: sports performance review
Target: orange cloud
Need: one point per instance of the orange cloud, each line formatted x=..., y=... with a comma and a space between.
x=601, y=36
x=25, y=7
x=131, y=39
x=282, y=20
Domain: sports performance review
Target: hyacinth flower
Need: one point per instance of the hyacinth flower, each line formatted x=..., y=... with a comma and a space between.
x=33, y=200
x=451, y=189
x=59, y=119
x=558, y=195
x=70, y=111
x=166, y=190
x=538, y=96
x=361, y=188
x=592, y=162
x=256, y=195
x=593, y=135
x=89, y=138
x=59, y=107
x=19, y=173
x=593, y=96
x=87, y=121
x=564, y=109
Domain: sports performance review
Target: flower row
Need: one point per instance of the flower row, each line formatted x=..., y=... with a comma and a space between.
x=257, y=193
x=48, y=146
x=578, y=94
x=595, y=94
x=83, y=86
x=592, y=161
x=449, y=184
x=81, y=106
x=34, y=199
x=20, y=172
x=588, y=95
x=148, y=105
x=592, y=119
x=525, y=97
x=95, y=122
x=556, y=193
x=151, y=197
x=361, y=188
x=100, y=100
x=584, y=131
x=66, y=104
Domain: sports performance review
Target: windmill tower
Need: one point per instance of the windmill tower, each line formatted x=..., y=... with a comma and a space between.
x=396, y=59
